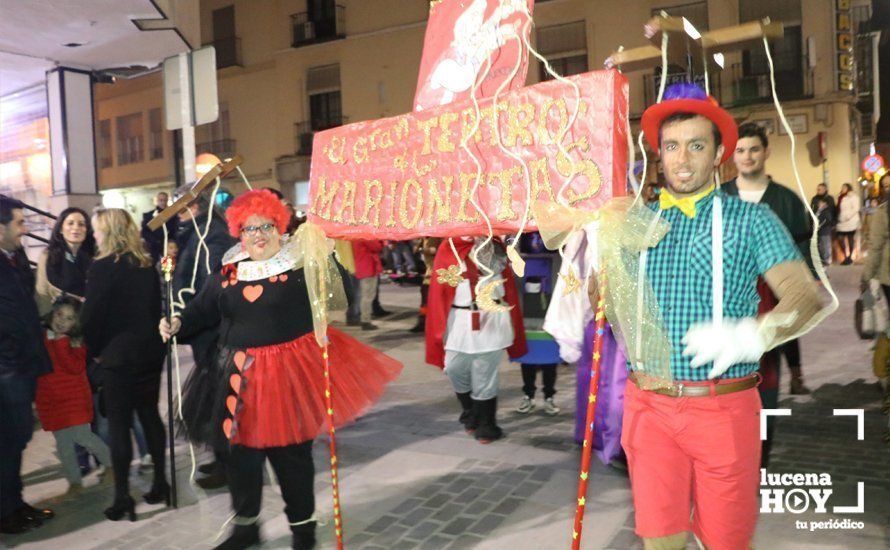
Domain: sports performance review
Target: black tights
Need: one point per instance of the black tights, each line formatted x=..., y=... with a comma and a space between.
x=120, y=424
x=296, y=476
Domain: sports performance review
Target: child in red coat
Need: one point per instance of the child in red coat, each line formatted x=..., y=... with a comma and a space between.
x=64, y=401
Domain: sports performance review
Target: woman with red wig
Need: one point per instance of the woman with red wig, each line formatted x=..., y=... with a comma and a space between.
x=270, y=301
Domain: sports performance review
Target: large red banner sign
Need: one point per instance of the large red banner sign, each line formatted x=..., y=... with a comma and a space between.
x=408, y=176
x=467, y=42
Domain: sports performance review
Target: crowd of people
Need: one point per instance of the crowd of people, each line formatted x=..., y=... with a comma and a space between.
x=84, y=337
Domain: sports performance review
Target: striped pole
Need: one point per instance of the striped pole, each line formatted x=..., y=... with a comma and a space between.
x=335, y=483
x=583, y=477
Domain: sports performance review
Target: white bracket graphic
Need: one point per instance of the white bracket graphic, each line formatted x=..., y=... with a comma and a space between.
x=860, y=422
x=764, y=413
x=860, y=502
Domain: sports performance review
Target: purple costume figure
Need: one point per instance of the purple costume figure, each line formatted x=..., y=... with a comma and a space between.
x=610, y=394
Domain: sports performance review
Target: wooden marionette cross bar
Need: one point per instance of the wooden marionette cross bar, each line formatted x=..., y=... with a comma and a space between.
x=221, y=170
x=724, y=40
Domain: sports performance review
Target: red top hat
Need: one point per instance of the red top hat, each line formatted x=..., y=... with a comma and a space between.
x=689, y=98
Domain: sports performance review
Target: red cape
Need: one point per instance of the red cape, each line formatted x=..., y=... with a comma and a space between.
x=441, y=297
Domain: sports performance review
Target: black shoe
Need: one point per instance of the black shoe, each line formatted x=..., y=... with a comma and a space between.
x=209, y=467
x=17, y=523
x=214, y=480
x=42, y=514
x=468, y=415
x=303, y=537
x=353, y=323
x=158, y=493
x=486, y=412
x=420, y=327
x=369, y=326
x=243, y=536
x=120, y=508
x=847, y=261
x=380, y=313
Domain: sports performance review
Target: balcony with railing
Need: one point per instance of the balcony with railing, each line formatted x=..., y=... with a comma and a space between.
x=318, y=28
x=222, y=148
x=228, y=52
x=304, y=132
x=748, y=89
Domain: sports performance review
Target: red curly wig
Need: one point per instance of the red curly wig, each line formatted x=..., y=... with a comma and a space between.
x=259, y=202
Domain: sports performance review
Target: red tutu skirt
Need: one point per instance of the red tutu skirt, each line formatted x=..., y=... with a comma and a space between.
x=275, y=395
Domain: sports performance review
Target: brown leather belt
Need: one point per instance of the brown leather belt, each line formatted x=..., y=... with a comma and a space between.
x=705, y=389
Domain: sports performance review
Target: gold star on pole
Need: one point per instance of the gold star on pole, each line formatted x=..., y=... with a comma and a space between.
x=574, y=534
x=571, y=281
x=596, y=356
x=591, y=398
x=582, y=501
x=584, y=476
x=450, y=276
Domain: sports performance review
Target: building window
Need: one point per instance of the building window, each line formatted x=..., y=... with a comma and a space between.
x=323, y=20
x=323, y=89
x=565, y=48
x=216, y=137
x=104, y=144
x=751, y=80
x=565, y=66
x=130, y=139
x=155, y=135
x=227, y=45
x=694, y=12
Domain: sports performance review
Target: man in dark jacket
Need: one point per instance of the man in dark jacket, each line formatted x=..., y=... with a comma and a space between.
x=825, y=209
x=753, y=184
x=22, y=359
x=154, y=240
x=191, y=252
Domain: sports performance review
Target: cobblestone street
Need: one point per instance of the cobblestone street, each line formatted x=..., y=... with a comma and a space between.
x=411, y=477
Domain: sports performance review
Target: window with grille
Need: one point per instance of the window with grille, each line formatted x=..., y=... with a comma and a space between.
x=155, y=135
x=104, y=144
x=130, y=137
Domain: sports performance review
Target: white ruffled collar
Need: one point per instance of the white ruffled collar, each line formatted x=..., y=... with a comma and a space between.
x=255, y=270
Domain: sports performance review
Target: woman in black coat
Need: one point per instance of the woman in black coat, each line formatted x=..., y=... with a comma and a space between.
x=120, y=318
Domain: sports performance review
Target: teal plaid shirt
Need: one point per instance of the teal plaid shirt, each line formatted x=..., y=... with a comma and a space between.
x=679, y=270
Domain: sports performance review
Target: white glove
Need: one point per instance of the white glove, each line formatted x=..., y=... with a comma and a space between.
x=737, y=341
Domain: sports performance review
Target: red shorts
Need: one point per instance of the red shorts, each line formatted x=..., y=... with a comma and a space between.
x=694, y=464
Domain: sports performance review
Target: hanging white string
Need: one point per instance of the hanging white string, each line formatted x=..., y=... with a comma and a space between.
x=814, y=250
x=661, y=85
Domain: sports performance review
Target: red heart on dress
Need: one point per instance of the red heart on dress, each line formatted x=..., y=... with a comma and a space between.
x=225, y=284
x=227, y=428
x=240, y=358
x=235, y=382
x=283, y=277
x=274, y=278
x=252, y=293
x=231, y=401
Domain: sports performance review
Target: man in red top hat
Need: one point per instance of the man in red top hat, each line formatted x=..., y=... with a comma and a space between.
x=469, y=327
x=693, y=443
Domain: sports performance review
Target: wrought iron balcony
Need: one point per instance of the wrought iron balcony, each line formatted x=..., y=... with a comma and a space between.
x=306, y=30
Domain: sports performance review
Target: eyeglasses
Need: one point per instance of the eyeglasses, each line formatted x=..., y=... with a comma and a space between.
x=252, y=230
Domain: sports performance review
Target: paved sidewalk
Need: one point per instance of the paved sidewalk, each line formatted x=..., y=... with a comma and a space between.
x=411, y=478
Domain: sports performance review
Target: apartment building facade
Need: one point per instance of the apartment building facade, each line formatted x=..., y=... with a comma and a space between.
x=289, y=68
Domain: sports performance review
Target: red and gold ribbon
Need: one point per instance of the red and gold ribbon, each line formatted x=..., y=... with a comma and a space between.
x=332, y=440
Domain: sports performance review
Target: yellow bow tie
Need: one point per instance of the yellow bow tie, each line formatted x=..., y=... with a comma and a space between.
x=686, y=205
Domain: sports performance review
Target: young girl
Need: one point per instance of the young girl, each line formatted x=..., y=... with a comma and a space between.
x=64, y=401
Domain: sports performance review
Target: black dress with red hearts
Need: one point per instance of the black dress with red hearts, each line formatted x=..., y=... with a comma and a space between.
x=273, y=388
